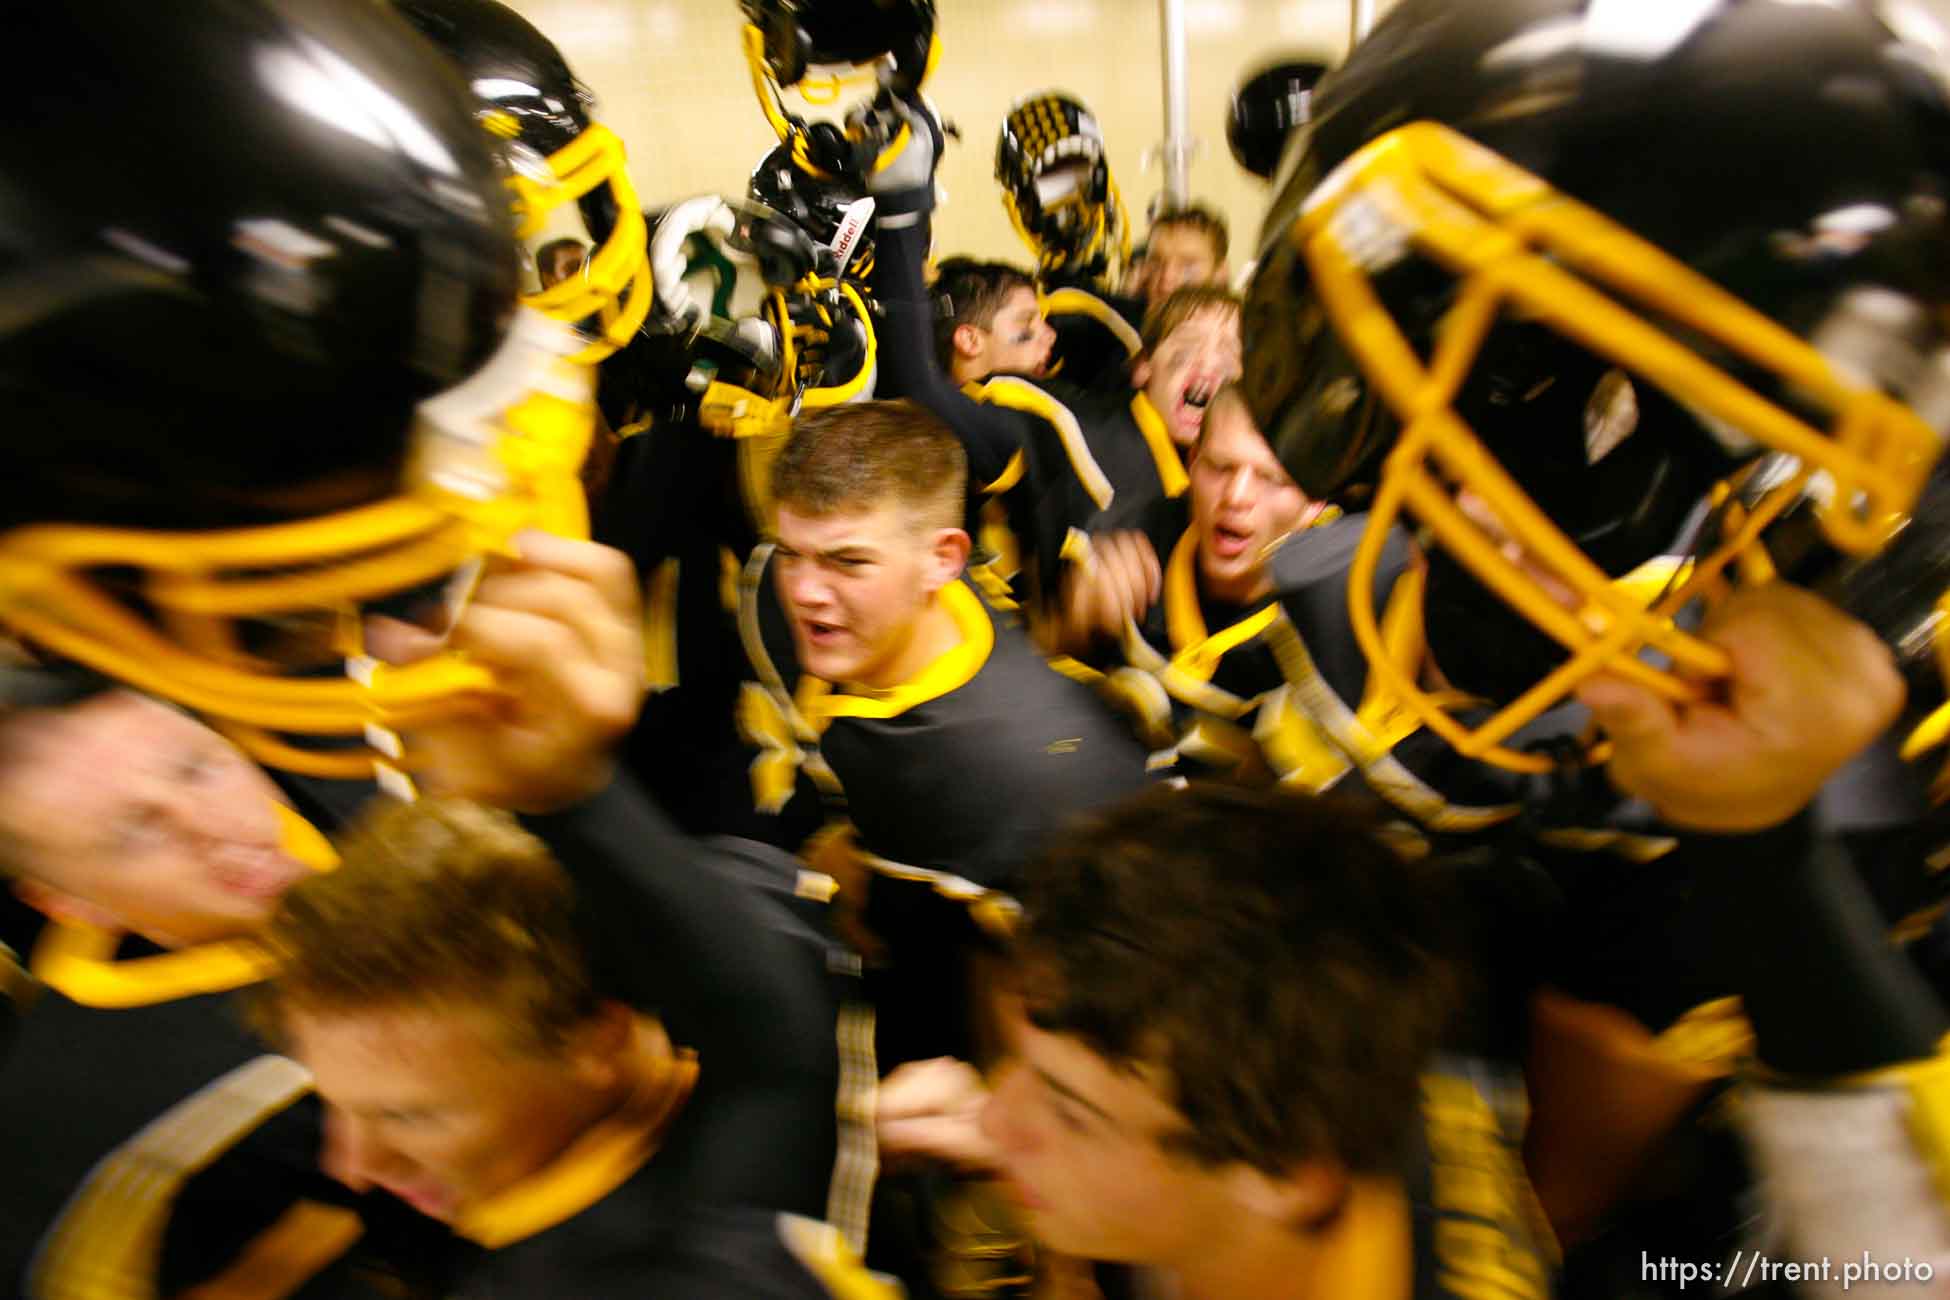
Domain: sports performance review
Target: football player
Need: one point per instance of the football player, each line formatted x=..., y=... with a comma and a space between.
x=1466, y=317
x=359, y=297
x=1186, y=247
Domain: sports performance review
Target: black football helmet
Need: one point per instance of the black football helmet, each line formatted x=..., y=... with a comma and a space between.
x=818, y=50
x=261, y=357
x=557, y=153
x=1266, y=108
x=1543, y=272
x=837, y=214
x=1058, y=189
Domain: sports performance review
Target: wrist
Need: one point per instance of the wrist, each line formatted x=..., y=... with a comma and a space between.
x=902, y=207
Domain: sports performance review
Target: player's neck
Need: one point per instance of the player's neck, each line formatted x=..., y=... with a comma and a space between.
x=1246, y=589
x=933, y=634
x=1366, y=1250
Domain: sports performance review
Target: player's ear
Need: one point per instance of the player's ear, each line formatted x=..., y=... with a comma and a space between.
x=1301, y=1197
x=947, y=557
x=967, y=341
x=1141, y=371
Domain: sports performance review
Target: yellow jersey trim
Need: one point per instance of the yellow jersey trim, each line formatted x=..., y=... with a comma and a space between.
x=1171, y=466
x=951, y=669
x=1081, y=302
x=595, y=1165
x=1020, y=395
x=1195, y=651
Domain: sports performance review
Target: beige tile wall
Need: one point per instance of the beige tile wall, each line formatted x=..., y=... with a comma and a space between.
x=672, y=80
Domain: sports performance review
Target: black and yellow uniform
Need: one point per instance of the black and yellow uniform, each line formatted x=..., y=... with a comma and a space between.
x=1280, y=691
x=229, y=1177
x=675, y=504
x=952, y=781
x=614, y=1219
x=720, y=940
x=1090, y=462
x=1043, y=459
x=126, y=1044
x=686, y=499
x=1097, y=335
x=1475, y=1226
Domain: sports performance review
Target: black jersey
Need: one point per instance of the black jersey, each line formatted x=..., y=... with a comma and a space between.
x=715, y=937
x=961, y=772
x=952, y=781
x=644, y=1236
x=1097, y=337
x=1089, y=462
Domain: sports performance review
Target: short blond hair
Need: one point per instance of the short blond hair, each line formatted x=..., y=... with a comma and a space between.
x=440, y=903
x=863, y=455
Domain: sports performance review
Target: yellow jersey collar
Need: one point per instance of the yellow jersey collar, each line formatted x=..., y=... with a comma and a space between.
x=1171, y=467
x=952, y=669
x=595, y=1164
x=1195, y=651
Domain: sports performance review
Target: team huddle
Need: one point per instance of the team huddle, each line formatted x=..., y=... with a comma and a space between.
x=558, y=741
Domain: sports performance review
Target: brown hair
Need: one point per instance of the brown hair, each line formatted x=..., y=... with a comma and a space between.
x=968, y=292
x=859, y=456
x=1184, y=304
x=548, y=254
x=437, y=902
x=1202, y=219
x=1288, y=970
x=1231, y=392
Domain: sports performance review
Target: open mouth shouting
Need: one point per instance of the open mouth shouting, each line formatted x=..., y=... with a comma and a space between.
x=819, y=634
x=1229, y=542
x=1187, y=414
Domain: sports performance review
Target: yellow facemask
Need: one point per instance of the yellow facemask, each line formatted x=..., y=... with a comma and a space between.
x=497, y=454
x=1516, y=247
x=614, y=285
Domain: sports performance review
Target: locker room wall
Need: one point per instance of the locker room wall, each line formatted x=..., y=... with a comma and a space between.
x=671, y=79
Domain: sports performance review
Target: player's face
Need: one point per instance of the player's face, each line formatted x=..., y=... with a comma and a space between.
x=145, y=816
x=1190, y=364
x=854, y=584
x=1081, y=1145
x=1019, y=339
x=559, y=266
x=430, y=1105
x=1174, y=257
x=1242, y=503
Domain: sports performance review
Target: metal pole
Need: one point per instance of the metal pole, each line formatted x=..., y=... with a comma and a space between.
x=1178, y=139
x=1363, y=22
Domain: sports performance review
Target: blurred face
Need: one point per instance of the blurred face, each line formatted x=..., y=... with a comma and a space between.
x=1242, y=503
x=1177, y=256
x=559, y=265
x=429, y=1104
x=1080, y=1145
x=1017, y=341
x=146, y=818
x=1190, y=365
x=855, y=584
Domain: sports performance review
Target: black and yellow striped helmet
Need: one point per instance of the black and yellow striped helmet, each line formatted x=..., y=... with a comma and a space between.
x=1057, y=186
x=558, y=155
